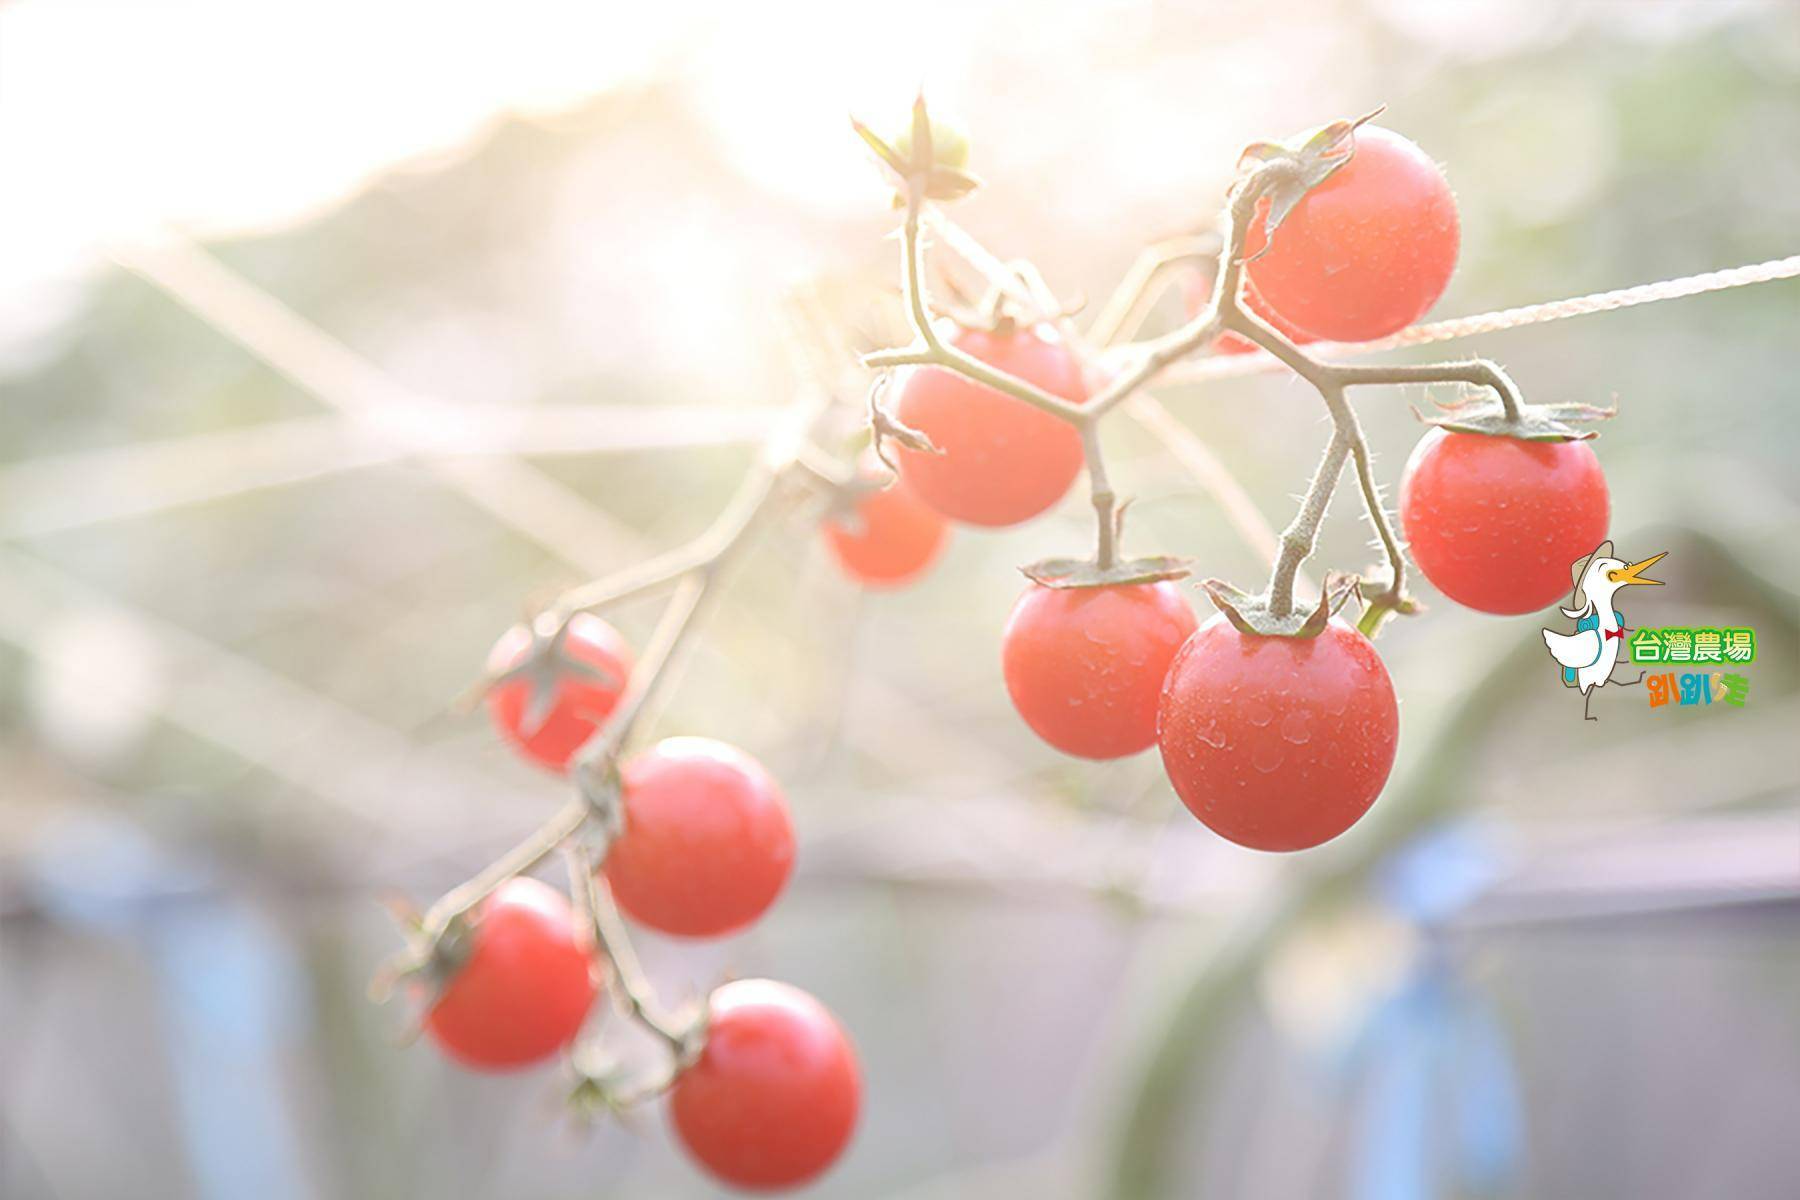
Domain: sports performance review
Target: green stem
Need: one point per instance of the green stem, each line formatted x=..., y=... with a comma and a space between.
x=1302, y=534
x=1106, y=550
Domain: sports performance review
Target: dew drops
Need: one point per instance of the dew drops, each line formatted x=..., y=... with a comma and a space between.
x=1258, y=713
x=1296, y=727
x=1267, y=757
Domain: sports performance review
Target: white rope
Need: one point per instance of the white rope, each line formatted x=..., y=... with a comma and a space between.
x=1221, y=366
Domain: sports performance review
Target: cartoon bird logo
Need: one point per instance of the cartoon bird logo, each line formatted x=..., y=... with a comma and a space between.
x=1589, y=655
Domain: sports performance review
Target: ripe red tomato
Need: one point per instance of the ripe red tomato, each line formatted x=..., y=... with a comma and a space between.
x=707, y=844
x=1085, y=666
x=525, y=988
x=1003, y=461
x=1368, y=251
x=1196, y=290
x=1495, y=522
x=900, y=536
x=1278, y=743
x=552, y=709
x=773, y=1098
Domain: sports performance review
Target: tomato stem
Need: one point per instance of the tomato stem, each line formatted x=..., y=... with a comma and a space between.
x=694, y=571
x=1299, y=538
x=1106, y=512
x=682, y=1036
x=1226, y=311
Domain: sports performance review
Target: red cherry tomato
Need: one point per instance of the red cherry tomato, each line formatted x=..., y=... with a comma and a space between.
x=1278, y=743
x=1495, y=522
x=1085, y=666
x=552, y=707
x=1196, y=290
x=1003, y=461
x=1368, y=251
x=525, y=988
x=773, y=1099
x=707, y=844
x=898, y=537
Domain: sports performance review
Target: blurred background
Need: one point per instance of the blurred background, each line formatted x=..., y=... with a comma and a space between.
x=333, y=335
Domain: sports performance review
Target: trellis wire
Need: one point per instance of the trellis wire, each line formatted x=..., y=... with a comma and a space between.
x=1222, y=366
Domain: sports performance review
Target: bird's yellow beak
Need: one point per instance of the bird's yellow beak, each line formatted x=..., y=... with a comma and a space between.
x=1630, y=574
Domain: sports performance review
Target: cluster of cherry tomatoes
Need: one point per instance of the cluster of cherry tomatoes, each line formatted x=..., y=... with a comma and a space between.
x=1275, y=742
x=706, y=847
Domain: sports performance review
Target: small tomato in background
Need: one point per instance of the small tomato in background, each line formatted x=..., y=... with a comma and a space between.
x=893, y=538
x=551, y=708
x=1002, y=460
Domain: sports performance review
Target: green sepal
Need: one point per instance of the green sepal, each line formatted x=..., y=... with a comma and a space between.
x=945, y=178
x=1250, y=614
x=885, y=427
x=1086, y=573
x=1485, y=415
x=886, y=153
x=1316, y=154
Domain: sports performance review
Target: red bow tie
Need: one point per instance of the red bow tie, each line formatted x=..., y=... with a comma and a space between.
x=1613, y=633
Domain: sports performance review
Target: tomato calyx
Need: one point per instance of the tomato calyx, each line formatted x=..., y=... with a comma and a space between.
x=1486, y=415
x=1377, y=589
x=429, y=962
x=543, y=667
x=606, y=1086
x=1252, y=613
x=1312, y=158
x=921, y=162
x=1087, y=573
x=885, y=427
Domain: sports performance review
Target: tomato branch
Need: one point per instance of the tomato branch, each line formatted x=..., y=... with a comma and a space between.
x=694, y=571
x=683, y=1034
x=1225, y=312
x=1106, y=510
x=931, y=350
x=1130, y=302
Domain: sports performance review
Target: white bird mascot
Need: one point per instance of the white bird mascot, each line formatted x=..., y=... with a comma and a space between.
x=1589, y=655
